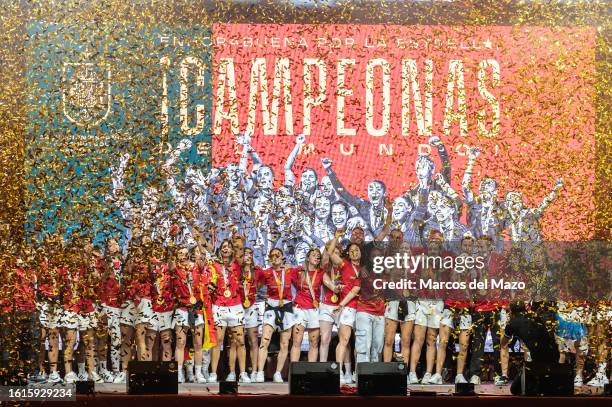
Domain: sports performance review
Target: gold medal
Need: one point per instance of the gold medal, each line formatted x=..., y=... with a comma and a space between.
x=192, y=300
x=247, y=303
x=160, y=300
x=227, y=293
x=334, y=298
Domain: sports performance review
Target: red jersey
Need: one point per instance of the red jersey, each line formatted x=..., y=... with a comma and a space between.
x=248, y=289
x=48, y=281
x=349, y=276
x=85, y=288
x=23, y=296
x=494, y=268
x=308, y=286
x=334, y=276
x=162, y=291
x=227, y=282
x=279, y=281
x=187, y=284
x=111, y=295
x=373, y=306
x=69, y=278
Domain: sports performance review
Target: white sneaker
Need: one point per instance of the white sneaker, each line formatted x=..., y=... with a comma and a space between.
x=578, y=381
x=212, y=378
x=342, y=379
x=71, y=378
x=95, y=377
x=278, y=378
x=460, y=379
x=500, y=380
x=244, y=378
x=82, y=377
x=475, y=379
x=231, y=377
x=253, y=377
x=598, y=381
x=199, y=377
x=426, y=378
x=181, y=375
x=348, y=378
x=54, y=377
x=354, y=377
x=436, y=379
x=190, y=376
x=259, y=377
x=606, y=381
x=121, y=377
x=413, y=378
x=106, y=376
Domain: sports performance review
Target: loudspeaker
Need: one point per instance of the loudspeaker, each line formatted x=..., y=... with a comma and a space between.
x=549, y=379
x=607, y=390
x=152, y=377
x=314, y=378
x=228, y=387
x=85, y=387
x=382, y=379
x=464, y=389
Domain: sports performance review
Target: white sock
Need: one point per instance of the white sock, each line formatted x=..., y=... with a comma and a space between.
x=347, y=368
x=198, y=369
x=81, y=368
x=602, y=368
x=102, y=365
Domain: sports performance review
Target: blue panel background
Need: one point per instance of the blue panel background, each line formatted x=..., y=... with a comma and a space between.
x=67, y=166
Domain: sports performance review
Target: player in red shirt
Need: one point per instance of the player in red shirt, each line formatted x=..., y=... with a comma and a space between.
x=349, y=266
x=110, y=314
x=279, y=311
x=370, y=315
x=187, y=283
x=162, y=298
x=456, y=312
x=250, y=275
x=327, y=308
x=306, y=309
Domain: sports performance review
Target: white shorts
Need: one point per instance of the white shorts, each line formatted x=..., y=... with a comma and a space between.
x=308, y=318
x=145, y=313
x=228, y=316
x=392, y=311
x=429, y=313
x=326, y=313
x=347, y=317
x=163, y=321
x=569, y=345
x=181, y=318
x=113, y=315
x=87, y=321
x=448, y=319
x=48, y=316
x=69, y=320
x=251, y=317
x=128, y=314
x=270, y=317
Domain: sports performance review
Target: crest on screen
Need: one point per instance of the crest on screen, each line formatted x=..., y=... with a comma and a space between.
x=86, y=93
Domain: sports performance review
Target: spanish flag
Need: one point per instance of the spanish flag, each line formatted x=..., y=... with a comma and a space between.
x=210, y=332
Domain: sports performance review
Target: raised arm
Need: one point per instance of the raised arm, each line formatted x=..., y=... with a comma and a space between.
x=551, y=196
x=289, y=175
x=466, y=185
x=335, y=259
x=449, y=191
x=351, y=200
x=445, y=170
x=387, y=227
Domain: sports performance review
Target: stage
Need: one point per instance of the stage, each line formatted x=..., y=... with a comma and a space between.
x=266, y=394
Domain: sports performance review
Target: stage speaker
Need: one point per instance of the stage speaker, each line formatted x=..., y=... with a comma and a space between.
x=382, y=379
x=548, y=379
x=607, y=390
x=464, y=389
x=85, y=387
x=152, y=377
x=314, y=378
x=228, y=387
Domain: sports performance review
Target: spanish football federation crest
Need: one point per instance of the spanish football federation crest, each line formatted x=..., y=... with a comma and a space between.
x=86, y=94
